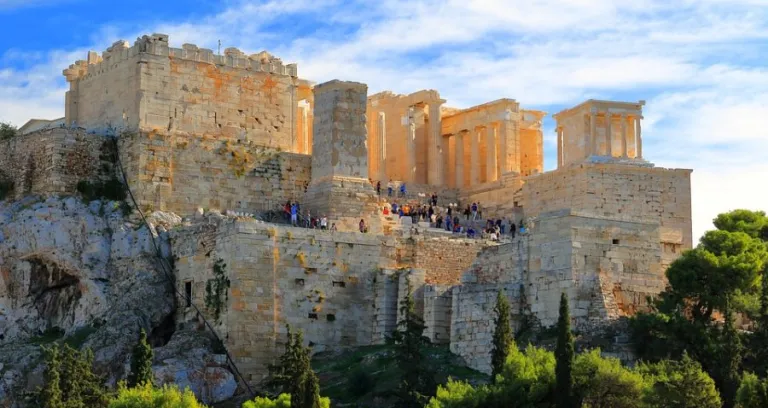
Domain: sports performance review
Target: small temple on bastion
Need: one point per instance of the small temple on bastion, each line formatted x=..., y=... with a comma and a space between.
x=238, y=136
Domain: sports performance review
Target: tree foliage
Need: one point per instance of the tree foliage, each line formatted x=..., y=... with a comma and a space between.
x=417, y=383
x=564, y=353
x=679, y=384
x=604, y=383
x=294, y=376
x=145, y=396
x=141, y=362
x=753, y=392
x=7, y=130
x=502, y=335
x=752, y=223
x=70, y=381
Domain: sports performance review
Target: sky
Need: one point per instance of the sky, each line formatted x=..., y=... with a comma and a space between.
x=701, y=66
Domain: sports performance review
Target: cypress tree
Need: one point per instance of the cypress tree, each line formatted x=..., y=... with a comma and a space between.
x=294, y=375
x=502, y=335
x=564, y=355
x=141, y=362
x=51, y=394
x=417, y=382
x=731, y=359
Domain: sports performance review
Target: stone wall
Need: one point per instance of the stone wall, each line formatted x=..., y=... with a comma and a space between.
x=53, y=161
x=444, y=259
x=151, y=86
x=180, y=173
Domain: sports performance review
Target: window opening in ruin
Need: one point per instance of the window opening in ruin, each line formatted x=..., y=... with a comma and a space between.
x=331, y=317
x=516, y=204
x=188, y=293
x=339, y=284
x=615, y=242
x=313, y=316
x=300, y=282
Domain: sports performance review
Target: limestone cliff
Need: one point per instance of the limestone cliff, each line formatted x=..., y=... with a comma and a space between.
x=88, y=275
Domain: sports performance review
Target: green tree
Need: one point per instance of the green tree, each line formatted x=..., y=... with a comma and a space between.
x=7, y=130
x=417, y=381
x=604, y=383
x=51, y=395
x=141, y=362
x=752, y=393
x=752, y=223
x=564, y=354
x=282, y=401
x=679, y=384
x=145, y=396
x=731, y=360
x=502, y=335
x=459, y=394
x=294, y=375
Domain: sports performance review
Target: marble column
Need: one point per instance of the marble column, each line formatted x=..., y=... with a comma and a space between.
x=608, y=135
x=501, y=162
x=624, y=143
x=559, y=131
x=434, y=156
x=305, y=127
x=638, y=138
x=410, y=146
x=459, y=147
x=593, y=132
x=510, y=145
x=474, y=158
x=382, y=146
x=490, y=153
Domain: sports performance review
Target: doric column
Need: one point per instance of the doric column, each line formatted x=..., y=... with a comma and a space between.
x=559, y=131
x=474, y=158
x=501, y=163
x=434, y=157
x=510, y=144
x=382, y=146
x=624, y=143
x=638, y=138
x=459, y=144
x=608, y=136
x=304, y=105
x=593, y=132
x=410, y=145
x=490, y=153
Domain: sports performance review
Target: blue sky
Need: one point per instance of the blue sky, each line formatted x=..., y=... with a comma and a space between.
x=702, y=66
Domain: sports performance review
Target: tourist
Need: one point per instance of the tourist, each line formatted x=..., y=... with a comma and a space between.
x=512, y=230
x=439, y=222
x=386, y=210
x=450, y=212
x=287, y=211
x=479, y=210
x=474, y=211
x=378, y=188
x=448, y=223
x=471, y=232
x=467, y=212
x=402, y=190
x=430, y=211
x=294, y=213
x=494, y=236
x=363, y=228
x=333, y=226
x=433, y=219
x=434, y=199
x=324, y=222
x=307, y=221
x=389, y=191
x=394, y=208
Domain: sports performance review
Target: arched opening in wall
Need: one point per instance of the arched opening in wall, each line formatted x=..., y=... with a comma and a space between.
x=55, y=291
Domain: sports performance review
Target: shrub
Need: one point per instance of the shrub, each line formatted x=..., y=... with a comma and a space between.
x=112, y=190
x=361, y=382
x=282, y=401
x=145, y=396
x=7, y=130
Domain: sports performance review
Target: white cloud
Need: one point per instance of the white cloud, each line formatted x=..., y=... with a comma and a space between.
x=707, y=107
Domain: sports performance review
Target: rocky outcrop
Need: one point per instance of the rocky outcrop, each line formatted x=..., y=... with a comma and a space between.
x=86, y=274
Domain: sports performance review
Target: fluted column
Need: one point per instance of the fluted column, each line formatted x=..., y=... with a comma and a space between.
x=501, y=163
x=434, y=157
x=410, y=170
x=608, y=136
x=474, y=158
x=490, y=153
x=459, y=144
x=624, y=143
x=510, y=145
x=593, y=132
x=305, y=128
x=382, y=145
x=638, y=138
x=559, y=131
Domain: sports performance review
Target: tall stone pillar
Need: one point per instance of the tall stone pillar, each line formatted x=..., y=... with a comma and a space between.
x=624, y=153
x=559, y=147
x=593, y=132
x=435, y=158
x=510, y=144
x=638, y=138
x=459, y=147
x=339, y=186
x=382, y=146
x=608, y=134
x=410, y=146
x=304, y=126
x=474, y=158
x=490, y=153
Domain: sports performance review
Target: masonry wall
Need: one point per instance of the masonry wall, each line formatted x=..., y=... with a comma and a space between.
x=617, y=191
x=444, y=259
x=180, y=173
x=53, y=161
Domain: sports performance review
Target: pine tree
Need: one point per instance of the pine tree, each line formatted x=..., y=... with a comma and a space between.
x=294, y=375
x=417, y=381
x=502, y=335
x=51, y=394
x=731, y=359
x=564, y=355
x=141, y=362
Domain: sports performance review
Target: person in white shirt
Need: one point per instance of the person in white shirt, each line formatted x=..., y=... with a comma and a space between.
x=323, y=223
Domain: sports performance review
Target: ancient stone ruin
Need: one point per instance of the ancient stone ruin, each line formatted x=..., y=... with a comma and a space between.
x=199, y=133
